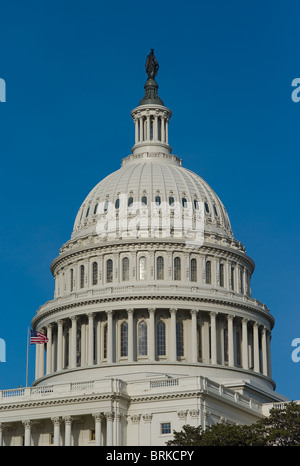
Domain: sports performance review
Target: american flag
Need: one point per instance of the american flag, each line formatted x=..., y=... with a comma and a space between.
x=37, y=337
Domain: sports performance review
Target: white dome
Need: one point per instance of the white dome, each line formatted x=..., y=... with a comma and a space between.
x=145, y=177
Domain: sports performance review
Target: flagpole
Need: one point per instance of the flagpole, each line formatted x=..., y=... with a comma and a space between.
x=27, y=358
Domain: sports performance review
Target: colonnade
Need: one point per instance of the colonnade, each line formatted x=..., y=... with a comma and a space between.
x=170, y=335
x=107, y=429
x=152, y=126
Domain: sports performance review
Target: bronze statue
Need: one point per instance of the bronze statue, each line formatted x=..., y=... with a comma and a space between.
x=151, y=65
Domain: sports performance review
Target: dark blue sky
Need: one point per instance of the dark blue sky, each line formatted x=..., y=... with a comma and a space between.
x=75, y=69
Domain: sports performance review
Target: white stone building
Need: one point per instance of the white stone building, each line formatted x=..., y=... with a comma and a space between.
x=152, y=324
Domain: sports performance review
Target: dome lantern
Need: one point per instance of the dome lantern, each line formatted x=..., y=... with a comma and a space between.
x=151, y=117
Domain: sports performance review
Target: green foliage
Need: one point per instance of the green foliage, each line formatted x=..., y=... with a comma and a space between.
x=281, y=428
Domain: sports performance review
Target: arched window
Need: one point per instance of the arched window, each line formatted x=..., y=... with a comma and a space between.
x=117, y=203
x=221, y=274
x=179, y=339
x=143, y=268
x=157, y=200
x=232, y=277
x=225, y=345
x=125, y=269
x=193, y=270
x=105, y=341
x=142, y=338
x=130, y=201
x=238, y=348
x=105, y=208
x=171, y=201
x=81, y=276
x=95, y=209
x=184, y=202
x=78, y=347
x=144, y=200
x=109, y=271
x=87, y=212
x=177, y=268
x=242, y=281
x=196, y=204
x=208, y=272
x=161, y=338
x=160, y=268
x=206, y=207
x=124, y=339
x=95, y=273
x=71, y=279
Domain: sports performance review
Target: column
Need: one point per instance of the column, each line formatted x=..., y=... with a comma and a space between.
x=37, y=361
x=167, y=131
x=141, y=119
x=59, y=344
x=230, y=340
x=83, y=345
x=49, y=350
x=151, y=339
x=256, y=347
x=1, y=434
x=173, y=346
x=264, y=351
x=68, y=430
x=162, y=125
x=136, y=122
x=109, y=429
x=109, y=336
x=155, y=128
x=213, y=335
x=56, y=423
x=245, y=359
x=73, y=342
x=91, y=340
x=98, y=419
x=148, y=128
x=27, y=435
x=130, y=334
x=194, y=336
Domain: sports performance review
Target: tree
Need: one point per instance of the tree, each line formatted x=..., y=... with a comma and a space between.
x=281, y=428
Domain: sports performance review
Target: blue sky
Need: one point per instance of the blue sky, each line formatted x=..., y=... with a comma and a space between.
x=75, y=69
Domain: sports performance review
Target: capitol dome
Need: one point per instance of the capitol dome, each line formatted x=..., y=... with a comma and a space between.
x=152, y=323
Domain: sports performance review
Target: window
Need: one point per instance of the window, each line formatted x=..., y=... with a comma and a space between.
x=161, y=339
x=95, y=209
x=221, y=274
x=177, y=268
x=92, y=435
x=87, y=212
x=157, y=200
x=144, y=200
x=71, y=279
x=105, y=208
x=232, y=277
x=117, y=203
x=160, y=268
x=215, y=211
x=95, y=273
x=208, y=272
x=109, y=271
x=196, y=204
x=78, y=347
x=242, y=281
x=142, y=338
x=51, y=439
x=179, y=339
x=143, y=269
x=199, y=341
x=206, y=207
x=184, y=202
x=171, y=201
x=105, y=341
x=238, y=348
x=193, y=268
x=81, y=276
x=124, y=339
x=125, y=269
x=165, y=428
x=130, y=201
